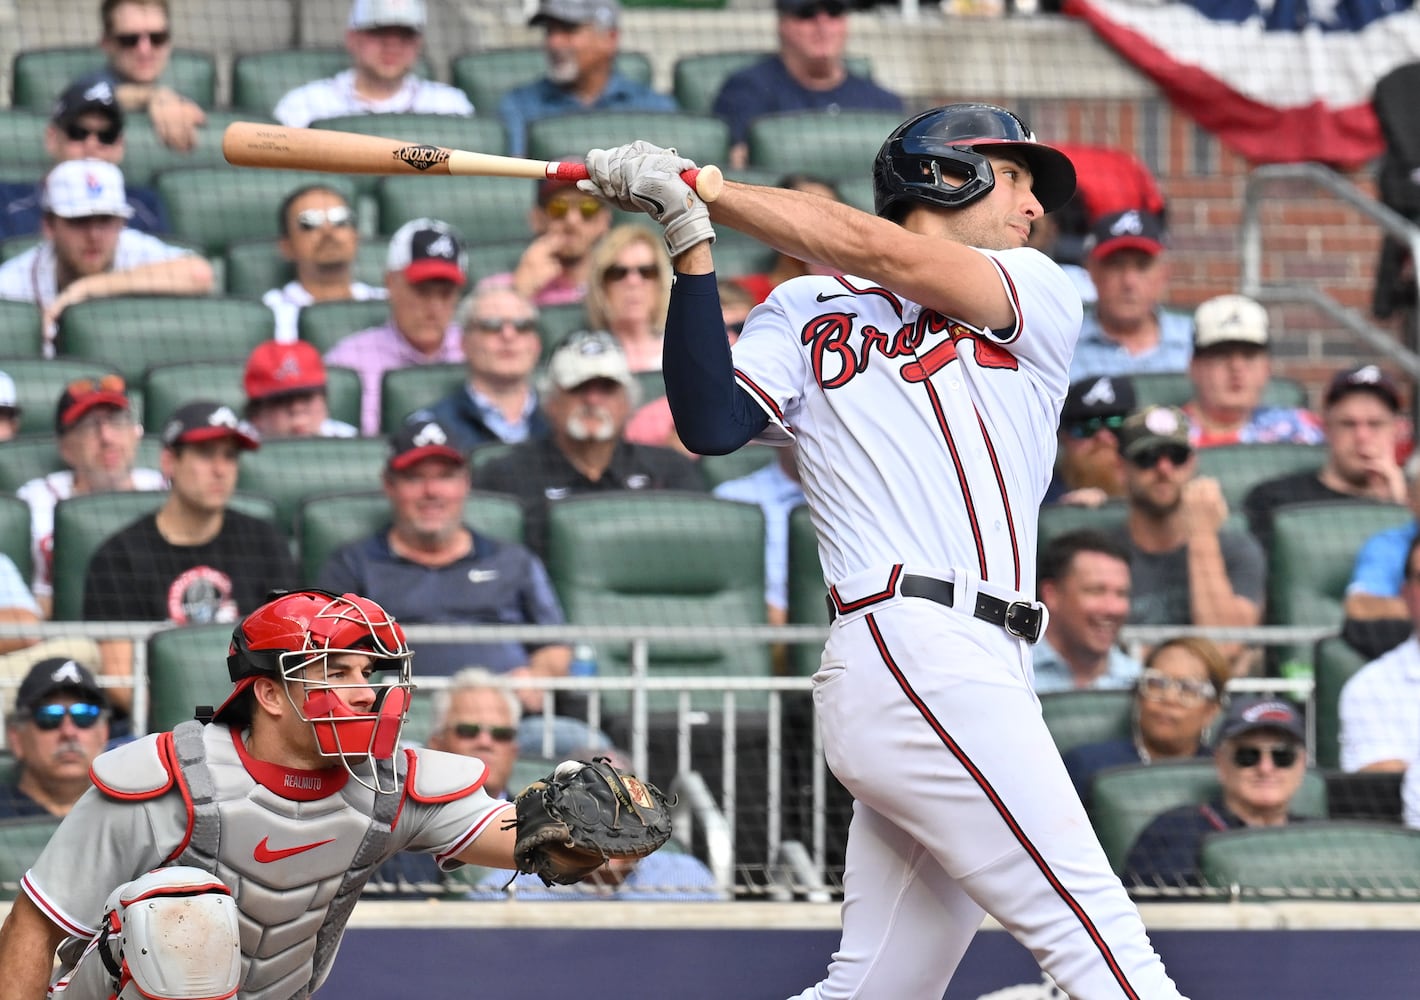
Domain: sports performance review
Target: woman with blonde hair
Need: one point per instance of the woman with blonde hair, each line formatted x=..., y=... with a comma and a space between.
x=628, y=292
x=1176, y=698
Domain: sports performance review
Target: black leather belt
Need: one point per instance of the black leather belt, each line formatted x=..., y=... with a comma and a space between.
x=1016, y=617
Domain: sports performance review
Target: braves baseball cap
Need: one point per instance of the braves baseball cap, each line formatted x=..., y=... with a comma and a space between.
x=204, y=420
x=1246, y=715
x=55, y=675
x=1151, y=426
x=428, y=250
x=83, y=394
x=366, y=14
x=602, y=13
x=275, y=369
x=80, y=189
x=84, y=97
x=420, y=437
x=9, y=399
x=1100, y=396
x=1367, y=378
x=1134, y=229
x=586, y=355
x=1225, y=320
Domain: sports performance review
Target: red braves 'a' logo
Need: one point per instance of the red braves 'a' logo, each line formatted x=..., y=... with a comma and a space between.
x=989, y=354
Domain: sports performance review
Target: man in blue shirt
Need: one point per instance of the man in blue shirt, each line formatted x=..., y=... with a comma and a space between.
x=808, y=73
x=1084, y=580
x=580, y=43
x=775, y=488
x=1376, y=580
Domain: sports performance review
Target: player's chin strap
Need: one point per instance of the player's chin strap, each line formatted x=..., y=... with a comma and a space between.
x=344, y=733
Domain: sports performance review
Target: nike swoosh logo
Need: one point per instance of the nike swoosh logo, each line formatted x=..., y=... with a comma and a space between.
x=829, y=298
x=265, y=855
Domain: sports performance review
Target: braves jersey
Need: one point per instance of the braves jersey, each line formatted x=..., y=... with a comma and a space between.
x=287, y=840
x=921, y=439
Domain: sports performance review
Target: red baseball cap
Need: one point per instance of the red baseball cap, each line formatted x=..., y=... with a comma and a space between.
x=203, y=420
x=83, y=394
x=1134, y=229
x=276, y=369
x=421, y=437
x=428, y=250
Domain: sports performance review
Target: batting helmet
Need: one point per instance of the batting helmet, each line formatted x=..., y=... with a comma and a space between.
x=955, y=140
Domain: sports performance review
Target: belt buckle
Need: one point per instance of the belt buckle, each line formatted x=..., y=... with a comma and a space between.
x=1023, y=621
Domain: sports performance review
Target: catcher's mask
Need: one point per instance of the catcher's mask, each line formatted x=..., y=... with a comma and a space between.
x=956, y=141
x=290, y=637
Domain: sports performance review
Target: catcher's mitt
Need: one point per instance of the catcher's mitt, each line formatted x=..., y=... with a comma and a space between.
x=581, y=814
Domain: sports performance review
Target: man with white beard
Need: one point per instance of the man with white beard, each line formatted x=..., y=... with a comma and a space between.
x=580, y=44
x=588, y=395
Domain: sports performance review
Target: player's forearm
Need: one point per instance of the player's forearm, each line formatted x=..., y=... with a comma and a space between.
x=493, y=848
x=1371, y=607
x=1210, y=592
x=190, y=275
x=550, y=661
x=116, y=660
x=27, y=945
x=17, y=616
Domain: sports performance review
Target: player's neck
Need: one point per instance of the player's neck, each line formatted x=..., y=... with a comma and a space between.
x=1276, y=816
x=181, y=524
x=591, y=84
x=429, y=549
x=590, y=458
x=326, y=282
x=1084, y=664
x=1156, y=533
x=1137, y=336
x=1219, y=419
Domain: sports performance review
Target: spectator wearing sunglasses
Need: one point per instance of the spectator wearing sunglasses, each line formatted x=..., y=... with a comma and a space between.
x=286, y=393
x=1261, y=759
x=807, y=73
x=580, y=42
x=566, y=224
x=86, y=124
x=629, y=292
x=1176, y=698
x=1084, y=581
x=87, y=251
x=501, y=345
x=319, y=239
x=1128, y=330
x=385, y=39
x=1188, y=567
x=58, y=726
x=137, y=40
x=1088, y=468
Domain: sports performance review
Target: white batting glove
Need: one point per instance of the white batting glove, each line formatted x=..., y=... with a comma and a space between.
x=611, y=171
x=658, y=191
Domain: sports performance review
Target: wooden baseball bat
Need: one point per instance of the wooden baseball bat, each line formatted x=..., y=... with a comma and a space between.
x=254, y=144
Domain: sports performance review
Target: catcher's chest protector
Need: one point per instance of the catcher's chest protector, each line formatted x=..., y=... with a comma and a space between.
x=296, y=868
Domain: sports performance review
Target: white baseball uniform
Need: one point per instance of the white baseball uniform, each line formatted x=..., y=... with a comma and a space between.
x=336, y=96
x=924, y=448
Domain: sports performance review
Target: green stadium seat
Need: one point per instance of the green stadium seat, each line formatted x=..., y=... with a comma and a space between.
x=1175, y=389
x=83, y=523
x=39, y=382
x=290, y=470
x=167, y=387
x=325, y=324
x=16, y=245
x=482, y=209
x=404, y=390
x=857, y=191
x=22, y=138
x=486, y=453
x=27, y=457
x=697, y=79
x=21, y=841
x=1125, y=799
x=137, y=332
x=652, y=385
x=187, y=667
x=842, y=144
x=497, y=257
x=1240, y=467
x=342, y=394
x=325, y=523
x=701, y=138
x=40, y=75
x=1075, y=718
x=1335, y=663
x=145, y=155
x=1058, y=518
x=21, y=331
x=663, y=558
x=217, y=206
x=15, y=532
x=1337, y=858
x=718, y=469
x=254, y=267
x=487, y=75
x=806, y=589
x=737, y=255
x=260, y=79
x=556, y=323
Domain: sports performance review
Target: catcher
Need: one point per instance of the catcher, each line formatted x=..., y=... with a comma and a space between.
x=223, y=858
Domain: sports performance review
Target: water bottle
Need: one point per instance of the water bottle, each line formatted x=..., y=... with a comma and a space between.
x=584, y=660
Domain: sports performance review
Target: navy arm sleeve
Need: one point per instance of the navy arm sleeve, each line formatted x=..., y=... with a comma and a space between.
x=713, y=415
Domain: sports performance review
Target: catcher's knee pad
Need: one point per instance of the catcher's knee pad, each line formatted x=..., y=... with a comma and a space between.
x=172, y=935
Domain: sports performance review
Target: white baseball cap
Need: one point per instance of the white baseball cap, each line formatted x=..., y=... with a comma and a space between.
x=586, y=355
x=8, y=398
x=1229, y=319
x=366, y=14
x=78, y=189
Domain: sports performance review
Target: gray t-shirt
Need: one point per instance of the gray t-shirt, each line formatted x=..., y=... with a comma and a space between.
x=1160, y=580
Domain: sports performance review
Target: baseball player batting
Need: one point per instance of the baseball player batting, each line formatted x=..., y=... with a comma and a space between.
x=922, y=389
x=222, y=860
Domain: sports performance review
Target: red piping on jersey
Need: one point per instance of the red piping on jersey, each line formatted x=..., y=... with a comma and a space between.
x=1015, y=301
x=457, y=846
x=1005, y=499
x=863, y=602
x=961, y=475
x=877, y=290
x=764, y=398
x=55, y=917
x=1001, y=810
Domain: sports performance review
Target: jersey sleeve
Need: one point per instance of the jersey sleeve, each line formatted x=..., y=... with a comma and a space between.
x=1047, y=310
x=448, y=819
x=771, y=367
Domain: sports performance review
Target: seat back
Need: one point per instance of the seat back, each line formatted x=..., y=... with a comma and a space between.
x=15, y=533
x=325, y=324
x=1075, y=718
x=1240, y=467
x=495, y=257
x=21, y=331
x=1124, y=800
x=701, y=138
x=404, y=390
x=253, y=267
x=663, y=558
x=135, y=333
x=216, y=206
x=486, y=76
x=806, y=589
x=187, y=667
x=719, y=469
x=1337, y=858
x=21, y=841
x=1335, y=664
x=1059, y=518
x=146, y=156
x=325, y=523
x=292, y=469
x=260, y=79
x=22, y=133
x=39, y=382
x=828, y=144
x=556, y=323
x=482, y=209
x=40, y=75
x=167, y=387
x=25, y=458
